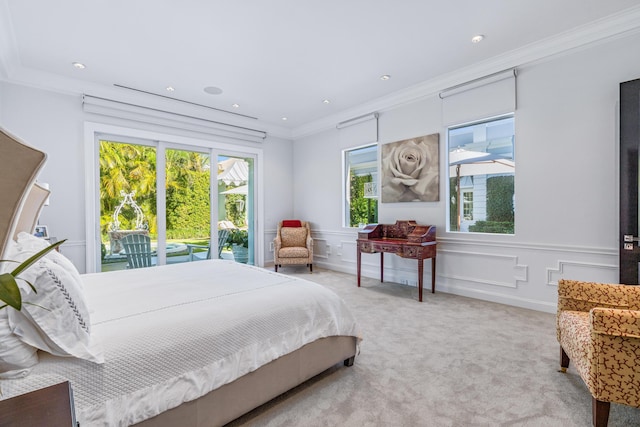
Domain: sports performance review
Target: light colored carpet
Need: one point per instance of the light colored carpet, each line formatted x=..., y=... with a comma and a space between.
x=448, y=361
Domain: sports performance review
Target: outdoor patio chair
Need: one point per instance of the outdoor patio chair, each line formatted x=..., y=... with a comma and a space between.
x=138, y=250
x=223, y=236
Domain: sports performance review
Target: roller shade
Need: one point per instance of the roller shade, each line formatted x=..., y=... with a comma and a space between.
x=128, y=111
x=358, y=131
x=481, y=98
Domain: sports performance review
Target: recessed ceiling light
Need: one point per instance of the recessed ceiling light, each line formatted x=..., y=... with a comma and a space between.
x=284, y=119
x=79, y=65
x=170, y=89
x=326, y=101
x=236, y=105
x=212, y=90
x=385, y=77
x=477, y=39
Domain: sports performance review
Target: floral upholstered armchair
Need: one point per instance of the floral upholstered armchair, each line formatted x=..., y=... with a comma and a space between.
x=293, y=244
x=598, y=327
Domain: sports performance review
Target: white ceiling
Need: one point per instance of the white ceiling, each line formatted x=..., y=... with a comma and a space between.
x=282, y=58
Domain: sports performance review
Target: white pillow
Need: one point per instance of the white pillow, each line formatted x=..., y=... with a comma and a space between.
x=56, y=318
x=31, y=244
x=16, y=357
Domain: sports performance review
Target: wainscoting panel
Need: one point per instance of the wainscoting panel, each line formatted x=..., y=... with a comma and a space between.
x=348, y=251
x=75, y=251
x=485, y=268
x=320, y=248
x=585, y=271
x=507, y=272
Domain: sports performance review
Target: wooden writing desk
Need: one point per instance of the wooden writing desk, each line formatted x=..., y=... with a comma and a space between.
x=405, y=239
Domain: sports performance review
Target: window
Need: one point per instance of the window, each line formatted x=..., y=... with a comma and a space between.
x=173, y=180
x=481, y=176
x=467, y=207
x=361, y=186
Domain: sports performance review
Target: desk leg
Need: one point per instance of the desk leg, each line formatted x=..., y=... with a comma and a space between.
x=433, y=275
x=359, y=256
x=381, y=266
x=420, y=272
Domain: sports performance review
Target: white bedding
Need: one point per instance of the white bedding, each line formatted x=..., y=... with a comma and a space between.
x=173, y=333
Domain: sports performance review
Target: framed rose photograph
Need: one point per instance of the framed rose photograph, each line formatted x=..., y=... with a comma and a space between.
x=410, y=170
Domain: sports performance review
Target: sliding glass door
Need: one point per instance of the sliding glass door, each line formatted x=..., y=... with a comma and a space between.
x=161, y=194
x=127, y=198
x=188, y=206
x=236, y=207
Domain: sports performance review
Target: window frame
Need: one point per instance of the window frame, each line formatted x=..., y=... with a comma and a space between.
x=346, y=183
x=450, y=191
x=93, y=132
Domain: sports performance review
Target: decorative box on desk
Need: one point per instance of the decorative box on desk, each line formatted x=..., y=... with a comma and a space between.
x=405, y=239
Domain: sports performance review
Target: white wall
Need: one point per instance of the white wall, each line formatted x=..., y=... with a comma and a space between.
x=54, y=123
x=566, y=180
x=566, y=186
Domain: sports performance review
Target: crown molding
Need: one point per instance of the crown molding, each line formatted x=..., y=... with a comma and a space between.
x=77, y=88
x=622, y=24
x=616, y=26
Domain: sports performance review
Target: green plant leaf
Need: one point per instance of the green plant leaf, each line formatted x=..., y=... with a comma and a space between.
x=36, y=305
x=33, y=288
x=28, y=262
x=9, y=291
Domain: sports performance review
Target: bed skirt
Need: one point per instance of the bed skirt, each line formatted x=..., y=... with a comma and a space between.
x=235, y=399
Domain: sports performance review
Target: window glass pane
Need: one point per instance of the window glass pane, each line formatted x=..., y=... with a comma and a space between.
x=127, y=198
x=361, y=186
x=482, y=176
x=187, y=206
x=467, y=198
x=236, y=208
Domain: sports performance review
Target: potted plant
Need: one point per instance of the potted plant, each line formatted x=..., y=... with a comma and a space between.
x=9, y=290
x=239, y=240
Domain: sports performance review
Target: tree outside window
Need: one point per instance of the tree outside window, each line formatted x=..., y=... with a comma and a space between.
x=482, y=176
x=361, y=181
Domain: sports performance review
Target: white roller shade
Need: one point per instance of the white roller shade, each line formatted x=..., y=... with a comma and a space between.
x=358, y=131
x=124, y=110
x=486, y=97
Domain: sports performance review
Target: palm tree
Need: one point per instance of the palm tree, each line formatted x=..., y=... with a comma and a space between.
x=128, y=168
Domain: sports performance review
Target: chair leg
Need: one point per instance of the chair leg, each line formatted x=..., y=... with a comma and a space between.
x=564, y=360
x=276, y=268
x=600, y=413
x=311, y=268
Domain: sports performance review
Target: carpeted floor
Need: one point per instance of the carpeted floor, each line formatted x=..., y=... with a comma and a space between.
x=449, y=361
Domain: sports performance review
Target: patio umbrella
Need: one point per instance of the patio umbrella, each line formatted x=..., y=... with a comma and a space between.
x=243, y=189
x=235, y=171
x=469, y=163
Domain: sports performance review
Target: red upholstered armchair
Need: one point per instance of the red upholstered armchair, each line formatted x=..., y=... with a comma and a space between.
x=293, y=244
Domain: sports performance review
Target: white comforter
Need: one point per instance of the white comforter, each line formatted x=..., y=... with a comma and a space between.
x=171, y=334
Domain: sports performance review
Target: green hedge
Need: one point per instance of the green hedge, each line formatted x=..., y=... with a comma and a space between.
x=500, y=199
x=492, y=227
x=362, y=210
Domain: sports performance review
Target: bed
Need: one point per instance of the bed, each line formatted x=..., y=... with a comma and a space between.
x=190, y=344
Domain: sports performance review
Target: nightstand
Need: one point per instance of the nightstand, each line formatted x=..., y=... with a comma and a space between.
x=50, y=406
